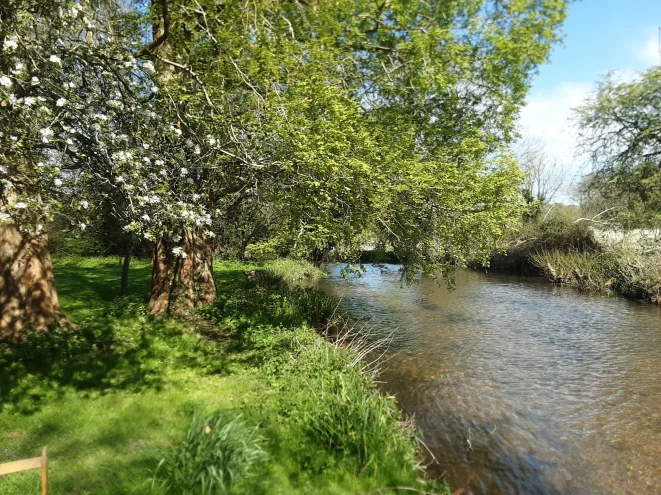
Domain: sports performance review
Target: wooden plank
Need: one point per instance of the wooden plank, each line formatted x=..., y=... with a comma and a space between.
x=17, y=466
x=44, y=471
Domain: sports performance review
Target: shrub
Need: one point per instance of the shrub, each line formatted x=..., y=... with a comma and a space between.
x=216, y=454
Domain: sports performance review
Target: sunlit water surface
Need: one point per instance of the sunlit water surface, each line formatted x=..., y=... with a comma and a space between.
x=519, y=386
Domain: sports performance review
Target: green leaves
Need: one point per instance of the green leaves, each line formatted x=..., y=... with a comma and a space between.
x=620, y=131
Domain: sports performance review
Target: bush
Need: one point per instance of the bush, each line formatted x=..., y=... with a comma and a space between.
x=215, y=455
x=554, y=234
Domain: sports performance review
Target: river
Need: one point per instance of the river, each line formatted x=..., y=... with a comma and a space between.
x=519, y=386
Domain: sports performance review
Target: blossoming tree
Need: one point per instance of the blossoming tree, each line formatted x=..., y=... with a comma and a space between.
x=339, y=118
x=79, y=125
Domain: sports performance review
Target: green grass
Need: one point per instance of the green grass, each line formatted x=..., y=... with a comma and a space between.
x=115, y=396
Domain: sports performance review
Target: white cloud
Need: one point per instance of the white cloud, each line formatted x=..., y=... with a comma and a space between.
x=649, y=51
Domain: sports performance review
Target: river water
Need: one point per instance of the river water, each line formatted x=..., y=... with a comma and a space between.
x=519, y=386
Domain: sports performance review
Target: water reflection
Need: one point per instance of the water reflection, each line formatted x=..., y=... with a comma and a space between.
x=522, y=387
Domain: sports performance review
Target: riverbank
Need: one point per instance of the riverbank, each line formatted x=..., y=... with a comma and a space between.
x=114, y=397
x=569, y=252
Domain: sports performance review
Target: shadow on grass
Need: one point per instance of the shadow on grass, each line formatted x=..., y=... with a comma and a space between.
x=117, y=345
x=258, y=309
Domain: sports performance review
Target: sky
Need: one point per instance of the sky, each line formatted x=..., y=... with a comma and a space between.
x=600, y=36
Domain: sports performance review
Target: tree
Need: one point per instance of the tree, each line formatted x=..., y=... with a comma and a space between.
x=333, y=118
x=79, y=122
x=620, y=131
x=336, y=112
x=544, y=175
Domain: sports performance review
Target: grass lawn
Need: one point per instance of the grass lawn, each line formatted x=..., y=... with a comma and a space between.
x=116, y=395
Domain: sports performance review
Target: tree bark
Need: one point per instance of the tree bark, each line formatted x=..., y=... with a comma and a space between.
x=124, y=286
x=180, y=283
x=160, y=279
x=203, y=275
x=28, y=298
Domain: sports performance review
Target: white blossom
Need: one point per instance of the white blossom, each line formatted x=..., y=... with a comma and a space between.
x=146, y=217
x=178, y=251
x=38, y=227
x=149, y=66
x=82, y=226
x=13, y=138
x=61, y=102
x=5, y=81
x=159, y=162
x=70, y=141
x=84, y=203
x=46, y=134
x=176, y=131
x=184, y=171
x=145, y=146
x=12, y=99
x=190, y=180
x=3, y=169
x=154, y=89
x=55, y=59
x=20, y=205
x=176, y=238
x=34, y=81
x=11, y=43
x=28, y=101
x=120, y=178
x=57, y=182
x=197, y=150
x=18, y=68
x=211, y=139
x=4, y=217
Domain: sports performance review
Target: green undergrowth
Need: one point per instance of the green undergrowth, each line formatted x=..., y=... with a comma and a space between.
x=242, y=397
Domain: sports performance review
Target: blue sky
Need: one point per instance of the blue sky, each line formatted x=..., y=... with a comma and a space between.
x=600, y=36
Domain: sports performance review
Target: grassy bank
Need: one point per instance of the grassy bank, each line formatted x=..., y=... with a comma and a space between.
x=273, y=407
x=625, y=271
x=565, y=248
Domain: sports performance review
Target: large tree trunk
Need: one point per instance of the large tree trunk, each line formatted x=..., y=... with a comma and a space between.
x=180, y=283
x=203, y=274
x=28, y=299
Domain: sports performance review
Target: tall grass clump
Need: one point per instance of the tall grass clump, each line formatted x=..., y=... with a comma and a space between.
x=622, y=269
x=589, y=271
x=293, y=271
x=638, y=274
x=216, y=454
x=363, y=426
x=340, y=411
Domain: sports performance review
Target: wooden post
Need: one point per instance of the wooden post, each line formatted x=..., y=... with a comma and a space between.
x=44, y=471
x=27, y=464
